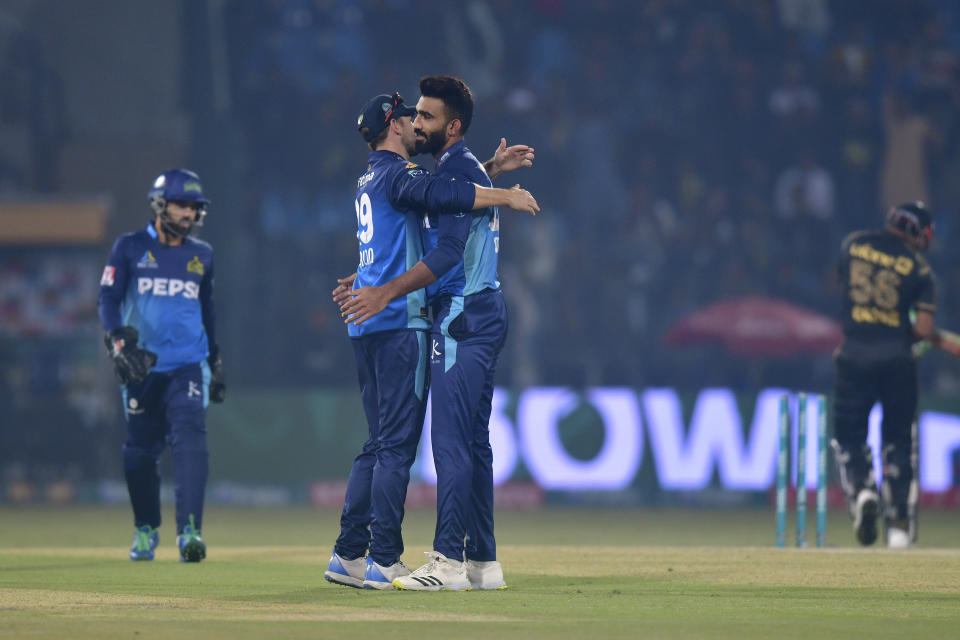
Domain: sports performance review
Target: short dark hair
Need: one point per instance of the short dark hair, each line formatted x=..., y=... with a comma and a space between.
x=379, y=140
x=455, y=94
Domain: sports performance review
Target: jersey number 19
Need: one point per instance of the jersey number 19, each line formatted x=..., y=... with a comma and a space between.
x=364, y=219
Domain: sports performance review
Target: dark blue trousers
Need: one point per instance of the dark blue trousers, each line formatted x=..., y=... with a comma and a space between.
x=468, y=335
x=394, y=380
x=167, y=408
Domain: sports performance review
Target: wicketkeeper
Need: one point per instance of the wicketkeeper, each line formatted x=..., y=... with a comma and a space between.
x=156, y=306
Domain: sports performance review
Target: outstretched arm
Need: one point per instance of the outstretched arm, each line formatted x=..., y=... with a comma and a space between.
x=514, y=198
x=416, y=188
x=508, y=158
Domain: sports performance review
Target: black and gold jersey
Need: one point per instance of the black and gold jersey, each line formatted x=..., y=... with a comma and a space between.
x=884, y=278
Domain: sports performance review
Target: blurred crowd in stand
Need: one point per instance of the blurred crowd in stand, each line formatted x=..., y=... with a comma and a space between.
x=686, y=151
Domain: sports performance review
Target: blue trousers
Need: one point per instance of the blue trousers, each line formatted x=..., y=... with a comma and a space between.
x=167, y=408
x=394, y=379
x=468, y=335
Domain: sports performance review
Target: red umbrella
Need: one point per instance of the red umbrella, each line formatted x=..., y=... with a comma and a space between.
x=757, y=326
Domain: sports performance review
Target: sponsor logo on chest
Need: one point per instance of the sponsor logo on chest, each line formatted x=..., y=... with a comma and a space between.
x=169, y=287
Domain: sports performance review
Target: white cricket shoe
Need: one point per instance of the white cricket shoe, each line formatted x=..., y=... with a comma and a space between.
x=485, y=575
x=897, y=538
x=865, y=516
x=381, y=577
x=346, y=572
x=439, y=574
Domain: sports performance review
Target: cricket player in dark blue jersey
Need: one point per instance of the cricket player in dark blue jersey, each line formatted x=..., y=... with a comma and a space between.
x=469, y=330
x=156, y=305
x=885, y=276
x=391, y=350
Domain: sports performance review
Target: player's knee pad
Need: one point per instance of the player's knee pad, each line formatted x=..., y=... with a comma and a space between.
x=856, y=467
x=897, y=479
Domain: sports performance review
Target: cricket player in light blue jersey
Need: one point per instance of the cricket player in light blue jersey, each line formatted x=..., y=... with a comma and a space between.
x=391, y=352
x=469, y=330
x=156, y=305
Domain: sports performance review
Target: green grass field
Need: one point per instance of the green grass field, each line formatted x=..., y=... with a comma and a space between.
x=572, y=573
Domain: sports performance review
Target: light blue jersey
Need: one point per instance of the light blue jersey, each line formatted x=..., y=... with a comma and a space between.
x=164, y=292
x=476, y=269
x=392, y=196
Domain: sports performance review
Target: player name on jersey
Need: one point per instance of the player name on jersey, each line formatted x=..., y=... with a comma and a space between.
x=901, y=264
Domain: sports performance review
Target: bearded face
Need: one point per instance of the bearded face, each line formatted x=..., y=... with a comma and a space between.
x=430, y=126
x=431, y=142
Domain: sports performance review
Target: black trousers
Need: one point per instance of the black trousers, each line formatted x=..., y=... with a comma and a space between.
x=893, y=383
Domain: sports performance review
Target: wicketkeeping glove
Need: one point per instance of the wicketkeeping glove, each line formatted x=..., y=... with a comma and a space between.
x=131, y=363
x=218, y=386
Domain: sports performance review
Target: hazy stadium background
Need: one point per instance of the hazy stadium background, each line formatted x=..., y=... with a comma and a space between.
x=687, y=152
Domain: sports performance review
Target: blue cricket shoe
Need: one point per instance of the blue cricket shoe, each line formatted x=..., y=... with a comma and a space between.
x=192, y=546
x=145, y=540
x=349, y=573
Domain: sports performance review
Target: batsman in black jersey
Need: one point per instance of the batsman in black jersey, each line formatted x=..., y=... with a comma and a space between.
x=885, y=277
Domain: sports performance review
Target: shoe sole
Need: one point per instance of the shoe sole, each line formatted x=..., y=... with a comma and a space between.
x=481, y=587
x=900, y=540
x=401, y=587
x=134, y=558
x=193, y=552
x=342, y=580
x=865, y=527
x=379, y=586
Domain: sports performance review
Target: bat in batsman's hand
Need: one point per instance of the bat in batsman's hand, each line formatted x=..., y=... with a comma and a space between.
x=948, y=341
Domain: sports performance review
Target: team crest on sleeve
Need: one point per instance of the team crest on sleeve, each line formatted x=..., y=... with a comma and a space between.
x=195, y=266
x=411, y=165
x=106, y=280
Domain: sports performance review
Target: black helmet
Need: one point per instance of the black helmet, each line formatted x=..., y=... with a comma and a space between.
x=913, y=219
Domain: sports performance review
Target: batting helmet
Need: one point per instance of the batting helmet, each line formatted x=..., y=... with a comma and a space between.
x=913, y=219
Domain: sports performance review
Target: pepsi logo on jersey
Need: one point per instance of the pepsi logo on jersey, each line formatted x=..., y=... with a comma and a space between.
x=168, y=287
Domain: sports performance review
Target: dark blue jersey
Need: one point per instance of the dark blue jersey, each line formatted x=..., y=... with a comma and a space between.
x=392, y=196
x=164, y=292
x=883, y=278
x=462, y=250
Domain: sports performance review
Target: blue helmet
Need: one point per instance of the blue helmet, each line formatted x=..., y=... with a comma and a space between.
x=177, y=185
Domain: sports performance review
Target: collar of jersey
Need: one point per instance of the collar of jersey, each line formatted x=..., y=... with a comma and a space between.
x=455, y=149
x=152, y=231
x=383, y=153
